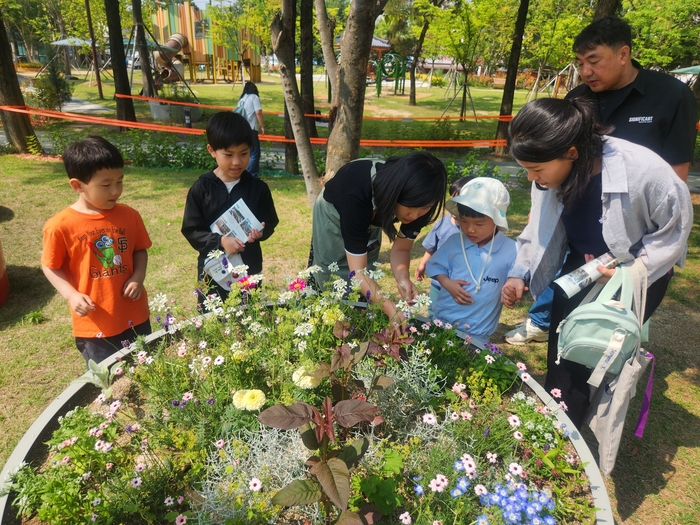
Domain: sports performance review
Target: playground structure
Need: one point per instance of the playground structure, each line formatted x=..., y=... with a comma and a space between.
x=390, y=67
x=187, y=27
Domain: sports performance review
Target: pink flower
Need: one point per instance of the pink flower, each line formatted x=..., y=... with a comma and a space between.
x=412, y=329
x=297, y=285
x=206, y=360
x=491, y=457
x=169, y=501
x=436, y=486
x=140, y=467
x=182, y=352
x=563, y=406
x=115, y=406
x=437, y=322
x=187, y=396
x=480, y=490
x=448, y=326
x=515, y=469
x=255, y=484
x=489, y=359
x=466, y=416
x=437, y=522
x=518, y=435
x=109, y=466
x=456, y=389
x=463, y=395
x=454, y=416
x=180, y=499
x=181, y=519
x=220, y=443
x=119, y=371
x=136, y=482
x=514, y=421
x=65, y=460
x=219, y=361
x=556, y=393
x=406, y=518
x=525, y=377
x=521, y=366
x=247, y=284
x=429, y=419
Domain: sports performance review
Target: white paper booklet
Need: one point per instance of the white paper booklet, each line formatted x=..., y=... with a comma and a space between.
x=572, y=283
x=238, y=221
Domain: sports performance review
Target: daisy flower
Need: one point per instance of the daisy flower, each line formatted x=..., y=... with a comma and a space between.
x=429, y=419
x=255, y=484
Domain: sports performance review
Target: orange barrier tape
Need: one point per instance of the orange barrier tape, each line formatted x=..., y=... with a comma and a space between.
x=270, y=138
x=504, y=118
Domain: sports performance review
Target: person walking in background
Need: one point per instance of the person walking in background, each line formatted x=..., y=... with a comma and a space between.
x=591, y=194
x=443, y=229
x=249, y=106
x=646, y=107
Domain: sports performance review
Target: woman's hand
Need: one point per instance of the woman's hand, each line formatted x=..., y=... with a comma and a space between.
x=607, y=272
x=407, y=290
x=512, y=291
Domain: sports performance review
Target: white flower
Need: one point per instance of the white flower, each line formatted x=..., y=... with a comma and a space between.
x=303, y=329
x=212, y=302
x=215, y=254
x=406, y=518
x=255, y=484
x=219, y=361
x=333, y=267
x=158, y=302
x=241, y=269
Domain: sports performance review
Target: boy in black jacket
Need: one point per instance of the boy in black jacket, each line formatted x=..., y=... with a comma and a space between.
x=229, y=140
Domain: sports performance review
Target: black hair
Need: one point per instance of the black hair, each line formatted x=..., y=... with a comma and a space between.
x=86, y=157
x=250, y=89
x=457, y=185
x=609, y=31
x=466, y=211
x=546, y=129
x=414, y=180
x=226, y=129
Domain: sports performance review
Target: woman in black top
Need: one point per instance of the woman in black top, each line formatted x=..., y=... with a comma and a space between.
x=366, y=197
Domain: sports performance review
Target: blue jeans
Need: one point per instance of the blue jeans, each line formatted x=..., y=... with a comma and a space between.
x=254, y=162
x=541, y=310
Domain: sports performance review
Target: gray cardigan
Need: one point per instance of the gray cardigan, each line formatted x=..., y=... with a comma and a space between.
x=647, y=213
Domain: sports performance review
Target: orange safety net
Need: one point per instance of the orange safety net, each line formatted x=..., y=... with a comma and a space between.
x=270, y=138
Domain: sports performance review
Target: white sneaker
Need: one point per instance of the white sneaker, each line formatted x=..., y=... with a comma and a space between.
x=526, y=332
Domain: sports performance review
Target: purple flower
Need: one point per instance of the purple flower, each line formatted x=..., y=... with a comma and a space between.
x=487, y=431
x=351, y=274
x=126, y=343
x=368, y=294
x=131, y=323
x=157, y=318
x=210, y=400
x=224, y=262
x=175, y=402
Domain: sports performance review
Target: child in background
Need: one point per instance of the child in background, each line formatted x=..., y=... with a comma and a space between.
x=229, y=140
x=473, y=265
x=95, y=253
x=443, y=229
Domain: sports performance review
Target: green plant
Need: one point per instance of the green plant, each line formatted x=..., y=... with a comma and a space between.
x=102, y=375
x=34, y=146
x=52, y=88
x=35, y=317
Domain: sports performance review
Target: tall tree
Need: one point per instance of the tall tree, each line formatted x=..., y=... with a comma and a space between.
x=306, y=62
x=607, y=8
x=125, y=106
x=512, y=73
x=18, y=128
x=282, y=32
x=149, y=87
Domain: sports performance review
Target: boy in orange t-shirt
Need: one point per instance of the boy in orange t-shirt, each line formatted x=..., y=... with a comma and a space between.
x=95, y=253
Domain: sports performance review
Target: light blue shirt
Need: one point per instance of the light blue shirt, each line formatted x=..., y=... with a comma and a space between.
x=647, y=214
x=481, y=316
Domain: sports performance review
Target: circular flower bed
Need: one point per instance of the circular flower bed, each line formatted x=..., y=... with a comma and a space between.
x=296, y=407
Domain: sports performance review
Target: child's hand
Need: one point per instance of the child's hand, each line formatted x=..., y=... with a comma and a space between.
x=512, y=291
x=132, y=290
x=254, y=235
x=459, y=294
x=420, y=272
x=232, y=245
x=81, y=303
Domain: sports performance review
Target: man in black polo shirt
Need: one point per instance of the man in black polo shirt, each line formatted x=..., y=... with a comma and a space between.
x=646, y=107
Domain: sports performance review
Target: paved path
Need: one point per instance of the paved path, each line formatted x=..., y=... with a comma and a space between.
x=81, y=106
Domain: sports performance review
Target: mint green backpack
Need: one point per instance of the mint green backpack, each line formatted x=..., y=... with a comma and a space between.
x=603, y=332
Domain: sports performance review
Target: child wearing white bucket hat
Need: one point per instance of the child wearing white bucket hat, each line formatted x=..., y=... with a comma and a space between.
x=472, y=266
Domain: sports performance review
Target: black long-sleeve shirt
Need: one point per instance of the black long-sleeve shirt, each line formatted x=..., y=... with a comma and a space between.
x=208, y=198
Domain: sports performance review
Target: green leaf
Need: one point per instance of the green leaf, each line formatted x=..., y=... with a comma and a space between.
x=334, y=477
x=393, y=463
x=298, y=492
x=352, y=454
x=308, y=436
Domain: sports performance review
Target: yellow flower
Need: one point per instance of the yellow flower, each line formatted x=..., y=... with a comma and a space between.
x=332, y=315
x=303, y=379
x=249, y=399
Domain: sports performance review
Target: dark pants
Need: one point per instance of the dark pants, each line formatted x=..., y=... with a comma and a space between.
x=569, y=377
x=100, y=348
x=254, y=162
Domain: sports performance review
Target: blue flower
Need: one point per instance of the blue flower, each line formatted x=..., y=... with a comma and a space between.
x=458, y=465
x=417, y=478
x=463, y=484
x=482, y=520
x=511, y=517
x=456, y=492
x=418, y=490
x=548, y=520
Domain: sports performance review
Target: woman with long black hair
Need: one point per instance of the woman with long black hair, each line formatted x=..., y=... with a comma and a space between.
x=365, y=198
x=590, y=194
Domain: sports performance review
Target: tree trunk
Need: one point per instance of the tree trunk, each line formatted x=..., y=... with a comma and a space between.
x=149, y=87
x=18, y=128
x=344, y=140
x=125, y=106
x=326, y=30
x=291, y=154
x=282, y=33
x=512, y=74
x=306, y=63
x=414, y=62
x=607, y=8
